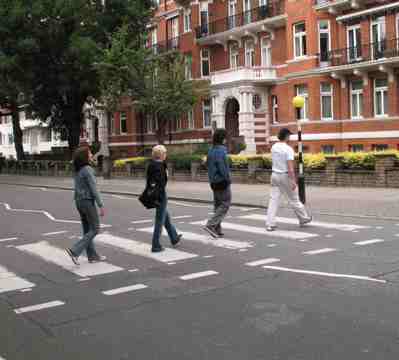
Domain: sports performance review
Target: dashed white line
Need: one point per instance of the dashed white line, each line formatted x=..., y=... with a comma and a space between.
x=142, y=221
x=262, y=262
x=25, y=290
x=171, y=263
x=272, y=245
x=368, y=242
x=208, y=256
x=38, y=307
x=379, y=227
x=182, y=217
x=133, y=270
x=319, y=251
x=198, y=275
x=124, y=289
x=309, y=272
x=9, y=239
x=55, y=233
x=83, y=279
x=243, y=250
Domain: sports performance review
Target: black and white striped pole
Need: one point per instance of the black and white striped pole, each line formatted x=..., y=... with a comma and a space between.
x=299, y=103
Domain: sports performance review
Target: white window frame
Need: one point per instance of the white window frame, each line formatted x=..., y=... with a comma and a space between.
x=250, y=53
x=204, y=8
x=187, y=20
x=274, y=109
x=207, y=58
x=381, y=90
x=120, y=122
x=232, y=12
x=324, y=31
x=247, y=11
x=305, y=95
x=381, y=21
x=190, y=119
x=359, y=95
x=327, y=94
x=263, y=3
x=206, y=108
x=348, y=30
x=266, y=53
x=302, y=36
x=179, y=124
x=234, y=56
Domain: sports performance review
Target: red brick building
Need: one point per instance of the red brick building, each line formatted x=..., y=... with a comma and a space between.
x=340, y=55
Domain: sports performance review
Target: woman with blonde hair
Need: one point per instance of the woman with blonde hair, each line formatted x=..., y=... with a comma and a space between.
x=157, y=177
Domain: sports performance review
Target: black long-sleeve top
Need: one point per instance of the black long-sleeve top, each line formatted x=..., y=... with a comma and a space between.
x=157, y=174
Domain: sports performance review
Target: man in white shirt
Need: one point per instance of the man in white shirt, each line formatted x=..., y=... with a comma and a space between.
x=283, y=181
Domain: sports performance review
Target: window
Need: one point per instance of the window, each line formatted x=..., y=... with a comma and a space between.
x=173, y=36
x=187, y=20
x=324, y=40
x=356, y=99
x=148, y=125
x=274, y=109
x=154, y=41
x=205, y=62
x=302, y=90
x=299, y=40
x=247, y=11
x=354, y=43
x=266, y=53
x=190, y=118
x=378, y=37
x=328, y=149
x=381, y=97
x=204, y=17
x=206, y=113
x=379, y=147
x=188, y=61
x=356, y=147
x=234, y=56
x=249, y=53
x=232, y=13
x=326, y=99
x=179, y=124
x=123, y=122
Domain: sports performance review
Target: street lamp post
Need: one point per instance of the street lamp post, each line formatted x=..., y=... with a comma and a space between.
x=299, y=103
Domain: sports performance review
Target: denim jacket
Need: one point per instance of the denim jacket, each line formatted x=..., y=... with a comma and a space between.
x=85, y=186
x=218, y=165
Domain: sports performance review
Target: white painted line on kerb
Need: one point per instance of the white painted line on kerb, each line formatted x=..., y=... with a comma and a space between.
x=319, y=251
x=11, y=282
x=26, y=290
x=142, y=249
x=309, y=272
x=262, y=262
x=124, y=289
x=182, y=217
x=142, y=221
x=294, y=235
x=326, y=225
x=38, y=307
x=206, y=239
x=55, y=233
x=57, y=256
x=368, y=242
x=198, y=275
x=9, y=239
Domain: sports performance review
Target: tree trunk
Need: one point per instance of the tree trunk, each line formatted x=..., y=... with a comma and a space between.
x=18, y=135
x=161, y=130
x=75, y=117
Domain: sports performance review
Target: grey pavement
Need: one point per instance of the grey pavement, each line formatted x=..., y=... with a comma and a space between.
x=329, y=290
x=375, y=202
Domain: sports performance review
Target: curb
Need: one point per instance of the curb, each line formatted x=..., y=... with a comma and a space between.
x=209, y=202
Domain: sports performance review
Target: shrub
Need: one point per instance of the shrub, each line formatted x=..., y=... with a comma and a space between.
x=357, y=161
x=315, y=161
x=183, y=162
x=135, y=161
x=202, y=149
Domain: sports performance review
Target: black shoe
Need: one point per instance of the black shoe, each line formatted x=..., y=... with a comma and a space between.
x=219, y=232
x=179, y=237
x=72, y=256
x=157, y=249
x=212, y=231
x=96, y=259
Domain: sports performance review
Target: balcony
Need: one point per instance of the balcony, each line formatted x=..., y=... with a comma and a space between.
x=165, y=46
x=262, y=75
x=385, y=51
x=340, y=6
x=258, y=19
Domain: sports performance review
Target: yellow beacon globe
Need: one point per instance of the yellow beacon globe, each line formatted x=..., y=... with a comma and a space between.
x=298, y=102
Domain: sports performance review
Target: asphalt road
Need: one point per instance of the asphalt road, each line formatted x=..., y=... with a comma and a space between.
x=325, y=291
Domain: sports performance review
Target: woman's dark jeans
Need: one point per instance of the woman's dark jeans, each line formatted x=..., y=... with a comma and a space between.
x=162, y=219
x=91, y=225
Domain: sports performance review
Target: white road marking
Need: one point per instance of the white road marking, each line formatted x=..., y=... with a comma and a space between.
x=326, y=225
x=11, y=282
x=26, y=290
x=319, y=251
x=243, y=250
x=208, y=256
x=262, y=262
x=142, y=221
x=133, y=270
x=124, y=289
x=83, y=279
x=329, y=236
x=57, y=256
x=299, y=271
x=121, y=197
x=55, y=233
x=271, y=245
x=368, y=242
x=294, y=235
x=198, y=275
x=172, y=263
x=10, y=246
x=39, y=307
x=206, y=239
x=182, y=217
x=355, y=231
x=379, y=227
x=142, y=249
x=131, y=229
x=187, y=205
x=9, y=239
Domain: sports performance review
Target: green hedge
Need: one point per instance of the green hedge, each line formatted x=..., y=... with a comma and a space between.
x=183, y=162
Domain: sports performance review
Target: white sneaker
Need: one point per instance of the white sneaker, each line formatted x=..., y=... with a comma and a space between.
x=307, y=221
x=271, y=228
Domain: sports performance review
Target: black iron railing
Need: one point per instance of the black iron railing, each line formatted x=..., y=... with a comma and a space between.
x=165, y=46
x=272, y=9
x=361, y=53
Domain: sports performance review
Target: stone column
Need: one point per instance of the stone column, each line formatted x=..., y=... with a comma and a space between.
x=382, y=164
x=247, y=119
x=218, y=115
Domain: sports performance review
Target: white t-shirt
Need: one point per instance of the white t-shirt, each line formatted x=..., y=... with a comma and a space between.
x=281, y=153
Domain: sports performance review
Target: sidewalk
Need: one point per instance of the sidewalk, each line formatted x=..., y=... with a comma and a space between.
x=383, y=203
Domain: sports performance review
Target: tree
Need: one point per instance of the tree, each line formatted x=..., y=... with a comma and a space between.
x=156, y=83
x=65, y=38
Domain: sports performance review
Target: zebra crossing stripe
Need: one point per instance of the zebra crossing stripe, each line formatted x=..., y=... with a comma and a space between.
x=124, y=289
x=8, y=239
x=262, y=262
x=39, y=307
x=11, y=282
x=142, y=249
x=206, y=239
x=294, y=235
x=319, y=251
x=198, y=275
x=368, y=242
x=326, y=225
x=57, y=256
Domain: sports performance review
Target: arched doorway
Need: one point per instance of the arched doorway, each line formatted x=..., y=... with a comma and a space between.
x=232, y=124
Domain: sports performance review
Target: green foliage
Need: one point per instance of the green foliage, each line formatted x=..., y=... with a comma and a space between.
x=183, y=162
x=357, y=160
x=202, y=149
x=135, y=161
x=315, y=161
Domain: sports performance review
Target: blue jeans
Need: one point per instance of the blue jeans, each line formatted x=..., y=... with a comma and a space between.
x=91, y=225
x=162, y=219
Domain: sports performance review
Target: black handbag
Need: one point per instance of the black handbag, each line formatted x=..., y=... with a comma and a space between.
x=222, y=185
x=150, y=197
